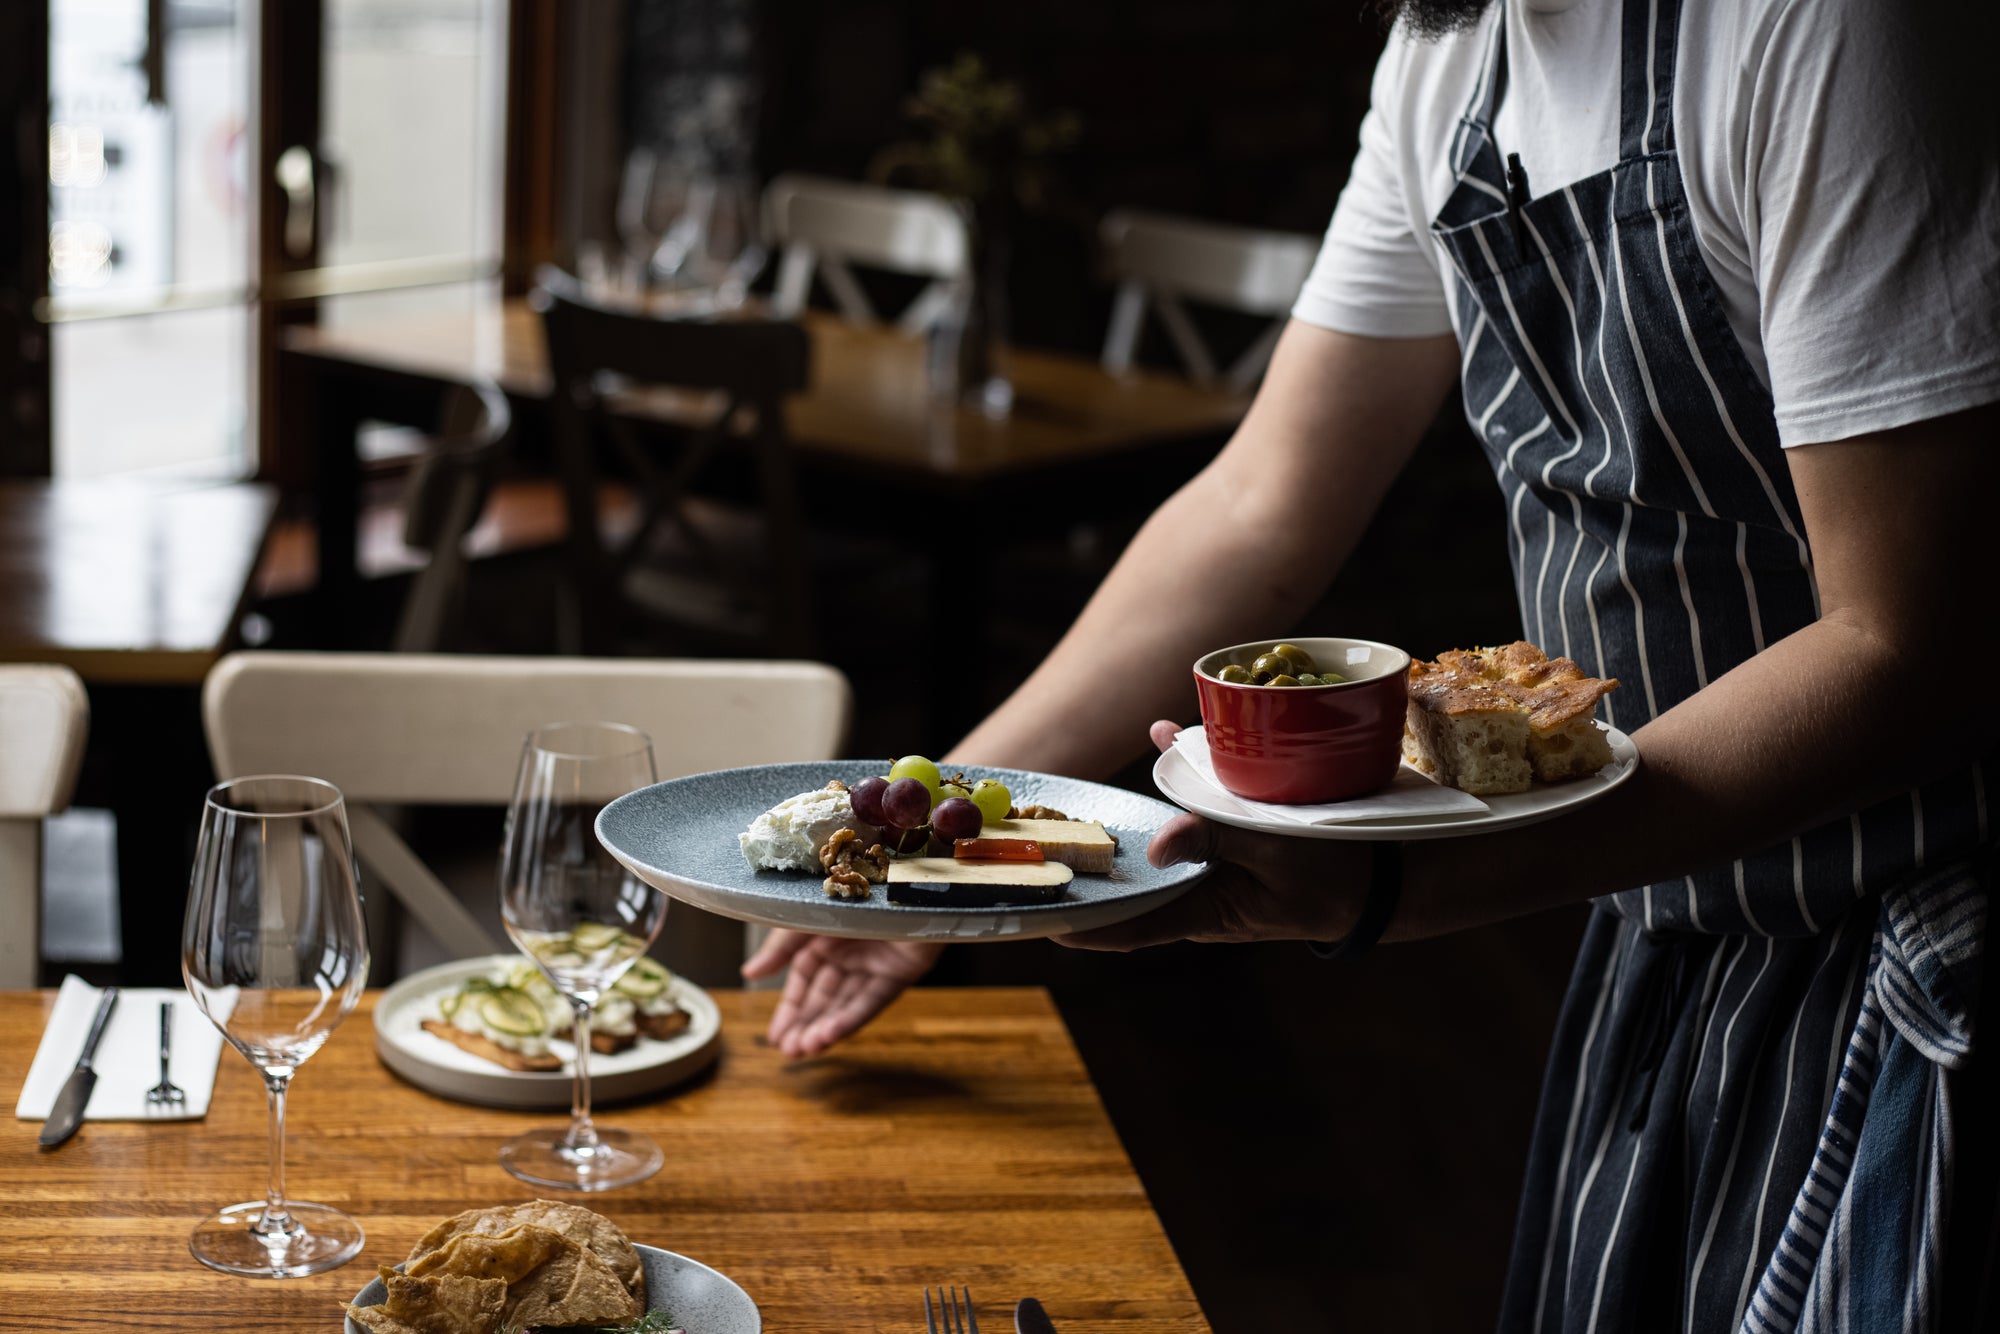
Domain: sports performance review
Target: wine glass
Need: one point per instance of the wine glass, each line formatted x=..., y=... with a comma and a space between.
x=274, y=953
x=583, y=919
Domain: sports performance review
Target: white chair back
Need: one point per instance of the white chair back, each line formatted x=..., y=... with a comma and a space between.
x=44, y=717
x=446, y=729
x=825, y=225
x=1158, y=260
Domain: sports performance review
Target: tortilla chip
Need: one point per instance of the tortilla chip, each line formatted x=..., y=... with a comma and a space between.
x=442, y=1304
x=582, y=1226
x=573, y=1287
x=509, y=1257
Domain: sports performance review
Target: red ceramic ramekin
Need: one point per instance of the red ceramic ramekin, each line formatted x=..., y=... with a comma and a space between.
x=1306, y=744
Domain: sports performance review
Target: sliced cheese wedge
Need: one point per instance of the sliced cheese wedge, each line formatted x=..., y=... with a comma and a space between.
x=950, y=870
x=946, y=882
x=1081, y=844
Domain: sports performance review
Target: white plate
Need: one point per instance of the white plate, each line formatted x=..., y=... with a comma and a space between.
x=429, y=1062
x=1185, y=787
x=681, y=838
x=704, y=1300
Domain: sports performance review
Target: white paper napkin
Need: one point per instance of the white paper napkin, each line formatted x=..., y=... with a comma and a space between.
x=128, y=1056
x=1409, y=794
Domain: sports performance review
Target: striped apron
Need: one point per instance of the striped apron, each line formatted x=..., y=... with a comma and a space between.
x=1758, y=1057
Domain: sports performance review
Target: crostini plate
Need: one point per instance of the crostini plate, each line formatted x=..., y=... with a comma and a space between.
x=431, y=1063
x=681, y=838
x=700, y=1299
x=1189, y=788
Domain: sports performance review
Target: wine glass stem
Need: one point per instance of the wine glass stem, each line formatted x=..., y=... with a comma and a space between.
x=582, y=1131
x=275, y=1218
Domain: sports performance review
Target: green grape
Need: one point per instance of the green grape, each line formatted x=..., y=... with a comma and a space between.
x=992, y=798
x=949, y=789
x=919, y=768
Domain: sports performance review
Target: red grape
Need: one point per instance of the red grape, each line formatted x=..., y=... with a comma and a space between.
x=866, y=797
x=906, y=840
x=906, y=804
x=955, y=818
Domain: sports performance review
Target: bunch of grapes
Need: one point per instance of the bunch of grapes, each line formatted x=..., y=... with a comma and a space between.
x=915, y=803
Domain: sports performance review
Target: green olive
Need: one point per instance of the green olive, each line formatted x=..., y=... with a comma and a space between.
x=1272, y=663
x=1283, y=679
x=1308, y=679
x=1262, y=678
x=1301, y=660
x=1235, y=675
x=1332, y=679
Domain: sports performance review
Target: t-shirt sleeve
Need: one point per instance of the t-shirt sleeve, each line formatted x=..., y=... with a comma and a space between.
x=1871, y=198
x=1376, y=273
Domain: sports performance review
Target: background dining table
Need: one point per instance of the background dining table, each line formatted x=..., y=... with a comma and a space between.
x=870, y=435
x=957, y=1140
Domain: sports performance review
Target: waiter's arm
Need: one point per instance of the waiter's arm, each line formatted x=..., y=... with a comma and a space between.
x=1885, y=690
x=1246, y=545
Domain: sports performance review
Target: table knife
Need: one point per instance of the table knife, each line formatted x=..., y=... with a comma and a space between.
x=1030, y=1318
x=75, y=1096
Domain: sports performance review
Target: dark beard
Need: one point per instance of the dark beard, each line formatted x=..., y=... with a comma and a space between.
x=1431, y=19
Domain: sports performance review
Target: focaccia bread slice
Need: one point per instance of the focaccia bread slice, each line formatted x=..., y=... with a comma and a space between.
x=1490, y=721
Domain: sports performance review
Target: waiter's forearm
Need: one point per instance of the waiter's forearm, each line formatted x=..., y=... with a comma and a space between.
x=1876, y=696
x=1237, y=553
x=1816, y=726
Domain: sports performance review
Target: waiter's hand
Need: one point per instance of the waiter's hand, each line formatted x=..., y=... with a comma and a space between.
x=836, y=985
x=1259, y=887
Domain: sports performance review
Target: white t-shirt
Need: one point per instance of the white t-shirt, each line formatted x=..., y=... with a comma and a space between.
x=1842, y=165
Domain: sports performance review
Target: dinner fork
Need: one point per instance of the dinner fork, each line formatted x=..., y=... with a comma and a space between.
x=942, y=1321
x=166, y=1093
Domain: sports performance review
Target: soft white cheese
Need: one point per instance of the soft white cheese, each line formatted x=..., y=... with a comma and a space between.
x=788, y=837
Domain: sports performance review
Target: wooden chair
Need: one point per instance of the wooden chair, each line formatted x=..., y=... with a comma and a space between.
x=446, y=729
x=44, y=715
x=603, y=355
x=824, y=225
x=1159, y=261
x=446, y=491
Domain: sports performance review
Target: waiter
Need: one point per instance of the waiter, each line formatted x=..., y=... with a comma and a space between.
x=1720, y=280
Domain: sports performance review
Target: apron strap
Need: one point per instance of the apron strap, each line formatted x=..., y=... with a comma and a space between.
x=1646, y=94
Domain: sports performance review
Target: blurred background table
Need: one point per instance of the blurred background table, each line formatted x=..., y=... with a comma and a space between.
x=127, y=581
x=138, y=585
x=957, y=1140
x=869, y=416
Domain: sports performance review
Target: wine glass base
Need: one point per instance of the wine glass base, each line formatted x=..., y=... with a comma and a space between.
x=543, y=1158
x=316, y=1240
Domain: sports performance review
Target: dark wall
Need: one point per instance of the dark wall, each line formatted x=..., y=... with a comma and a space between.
x=1236, y=113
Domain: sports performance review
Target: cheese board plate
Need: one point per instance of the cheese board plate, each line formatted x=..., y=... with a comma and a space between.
x=1186, y=786
x=680, y=837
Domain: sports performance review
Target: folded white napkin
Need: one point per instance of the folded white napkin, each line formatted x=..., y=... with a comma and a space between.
x=1409, y=794
x=128, y=1056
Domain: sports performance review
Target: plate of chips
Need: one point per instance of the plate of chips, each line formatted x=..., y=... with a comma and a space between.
x=546, y=1265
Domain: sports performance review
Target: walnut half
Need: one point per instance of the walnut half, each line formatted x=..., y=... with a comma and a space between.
x=851, y=868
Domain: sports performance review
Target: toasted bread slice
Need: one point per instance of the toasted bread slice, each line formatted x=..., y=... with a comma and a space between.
x=610, y=1044
x=662, y=1026
x=490, y=1050
x=1491, y=721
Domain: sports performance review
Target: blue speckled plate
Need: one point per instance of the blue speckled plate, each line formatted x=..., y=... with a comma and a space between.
x=680, y=837
x=702, y=1300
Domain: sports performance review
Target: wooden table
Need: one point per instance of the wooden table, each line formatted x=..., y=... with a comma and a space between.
x=956, y=1140
x=139, y=586
x=127, y=581
x=1078, y=442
